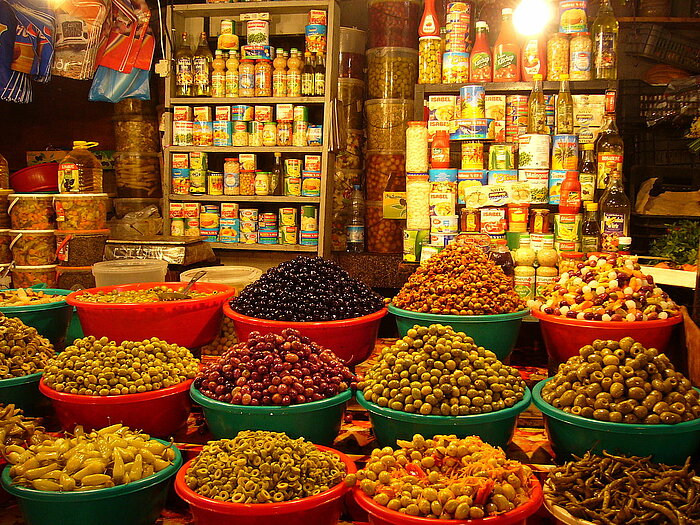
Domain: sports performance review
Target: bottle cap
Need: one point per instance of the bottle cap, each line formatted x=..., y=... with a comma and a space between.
x=591, y=206
x=482, y=25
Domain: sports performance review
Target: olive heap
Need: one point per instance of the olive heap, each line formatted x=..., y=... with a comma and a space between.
x=22, y=350
x=100, y=367
x=444, y=478
x=437, y=371
x=622, y=382
x=460, y=280
x=275, y=369
x=263, y=467
x=145, y=295
x=307, y=289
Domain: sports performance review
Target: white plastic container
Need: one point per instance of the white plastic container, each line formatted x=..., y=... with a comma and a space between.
x=129, y=271
x=236, y=276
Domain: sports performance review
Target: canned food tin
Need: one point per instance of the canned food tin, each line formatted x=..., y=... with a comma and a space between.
x=309, y=218
x=198, y=182
x=533, y=151
x=555, y=180
x=565, y=152
x=413, y=242
x=182, y=133
x=215, y=183
x=177, y=226
x=308, y=238
x=229, y=230
x=292, y=167
x=192, y=227
x=223, y=133
x=493, y=221
x=288, y=235
x=315, y=38
x=241, y=112
x=312, y=163
x=177, y=210
x=229, y=210
x=180, y=181
x=472, y=155
x=472, y=101
x=180, y=161
x=441, y=239
x=249, y=237
x=203, y=133
x=442, y=204
x=191, y=210
x=447, y=224
x=268, y=237
x=268, y=217
x=567, y=227
x=455, y=67
x=466, y=178
x=288, y=216
x=502, y=176
x=301, y=114
x=258, y=32
x=443, y=175
x=198, y=160
x=250, y=214
x=240, y=134
x=248, y=225
x=292, y=186
x=502, y=157
x=538, y=181
x=263, y=113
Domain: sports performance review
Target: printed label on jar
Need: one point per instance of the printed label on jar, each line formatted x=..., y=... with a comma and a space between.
x=542, y=282
x=524, y=285
x=580, y=61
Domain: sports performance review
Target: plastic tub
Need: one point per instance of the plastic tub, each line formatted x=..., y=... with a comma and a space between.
x=39, y=177
x=564, y=337
x=570, y=434
x=158, y=412
x=5, y=252
x=190, y=323
x=237, y=277
x=351, y=94
x=495, y=428
x=317, y=421
x=33, y=247
x=81, y=211
x=352, y=340
x=24, y=393
x=386, y=123
x=322, y=509
x=4, y=206
x=28, y=276
x=392, y=72
x=129, y=271
x=497, y=333
x=75, y=277
x=50, y=319
x=393, y=23
x=80, y=247
x=137, y=503
x=31, y=211
x=379, y=515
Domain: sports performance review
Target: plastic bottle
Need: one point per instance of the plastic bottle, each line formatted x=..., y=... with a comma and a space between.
x=80, y=171
x=481, y=59
x=429, y=25
x=356, y=225
x=534, y=57
x=218, y=76
x=590, y=229
x=232, y=75
x=588, y=172
x=506, y=52
x=524, y=273
x=279, y=74
x=570, y=198
x=440, y=150
x=4, y=173
x=294, y=74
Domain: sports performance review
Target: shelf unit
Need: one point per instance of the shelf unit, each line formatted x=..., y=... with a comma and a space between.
x=673, y=21
x=287, y=18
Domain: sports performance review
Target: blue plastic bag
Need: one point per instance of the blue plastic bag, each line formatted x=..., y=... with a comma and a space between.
x=112, y=86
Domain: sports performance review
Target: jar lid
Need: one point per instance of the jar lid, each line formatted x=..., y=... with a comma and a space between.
x=33, y=195
x=79, y=195
x=70, y=269
x=33, y=232
x=572, y=255
x=35, y=268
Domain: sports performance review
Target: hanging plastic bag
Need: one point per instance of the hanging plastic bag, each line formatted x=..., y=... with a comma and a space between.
x=36, y=44
x=112, y=86
x=7, y=43
x=130, y=43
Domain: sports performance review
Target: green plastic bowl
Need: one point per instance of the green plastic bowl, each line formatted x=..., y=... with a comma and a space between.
x=138, y=503
x=317, y=421
x=570, y=434
x=497, y=332
x=24, y=393
x=50, y=319
x=495, y=428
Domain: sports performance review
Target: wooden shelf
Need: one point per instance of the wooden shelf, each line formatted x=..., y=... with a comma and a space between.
x=246, y=149
x=263, y=247
x=190, y=101
x=246, y=198
x=577, y=86
x=682, y=22
x=227, y=9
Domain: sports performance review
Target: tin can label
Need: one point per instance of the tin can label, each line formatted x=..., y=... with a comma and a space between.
x=177, y=210
x=309, y=218
x=198, y=182
x=177, y=226
x=288, y=216
x=288, y=235
x=292, y=186
x=229, y=230
x=180, y=181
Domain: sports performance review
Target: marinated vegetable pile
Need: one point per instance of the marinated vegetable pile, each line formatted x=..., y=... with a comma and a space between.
x=22, y=350
x=17, y=430
x=112, y=456
x=27, y=296
x=272, y=369
x=621, y=489
x=444, y=478
x=100, y=367
x=306, y=289
x=148, y=295
x=460, y=280
x=610, y=288
x=263, y=467
x=438, y=371
x=622, y=382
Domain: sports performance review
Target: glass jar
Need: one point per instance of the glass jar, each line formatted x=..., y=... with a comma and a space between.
x=417, y=147
x=284, y=133
x=246, y=78
x=232, y=171
x=557, y=56
x=580, y=57
x=255, y=137
x=539, y=221
x=429, y=60
x=269, y=134
x=417, y=202
x=568, y=261
x=263, y=78
x=262, y=183
x=247, y=182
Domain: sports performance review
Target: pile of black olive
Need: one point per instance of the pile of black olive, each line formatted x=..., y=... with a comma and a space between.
x=307, y=289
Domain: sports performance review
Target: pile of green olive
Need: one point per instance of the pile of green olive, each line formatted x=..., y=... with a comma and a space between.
x=263, y=467
x=146, y=295
x=622, y=382
x=23, y=351
x=436, y=371
x=100, y=367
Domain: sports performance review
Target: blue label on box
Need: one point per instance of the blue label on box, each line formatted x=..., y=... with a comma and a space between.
x=443, y=175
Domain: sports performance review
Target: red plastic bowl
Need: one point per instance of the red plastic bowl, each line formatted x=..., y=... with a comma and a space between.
x=322, y=509
x=563, y=337
x=379, y=515
x=158, y=412
x=190, y=323
x=352, y=340
x=39, y=177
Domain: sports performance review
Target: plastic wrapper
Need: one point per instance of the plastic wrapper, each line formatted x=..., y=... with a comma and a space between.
x=173, y=250
x=142, y=223
x=112, y=86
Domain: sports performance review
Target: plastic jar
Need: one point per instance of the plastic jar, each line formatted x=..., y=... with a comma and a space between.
x=263, y=78
x=136, y=133
x=380, y=164
x=138, y=174
x=81, y=211
x=429, y=60
x=28, y=276
x=386, y=123
x=417, y=202
x=544, y=276
x=580, y=49
x=382, y=235
x=517, y=217
x=392, y=72
x=4, y=205
x=33, y=247
x=352, y=54
x=29, y=211
x=524, y=281
x=80, y=247
x=5, y=253
x=393, y=23
x=569, y=261
x=269, y=137
x=417, y=147
x=69, y=276
x=351, y=156
x=557, y=56
x=351, y=94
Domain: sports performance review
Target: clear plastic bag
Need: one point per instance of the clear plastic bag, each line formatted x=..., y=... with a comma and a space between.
x=112, y=86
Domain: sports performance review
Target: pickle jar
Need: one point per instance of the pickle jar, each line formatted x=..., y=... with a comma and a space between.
x=417, y=147
x=429, y=60
x=284, y=133
x=580, y=49
x=557, y=56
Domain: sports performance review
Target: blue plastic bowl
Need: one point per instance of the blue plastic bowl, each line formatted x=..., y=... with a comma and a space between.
x=23, y=392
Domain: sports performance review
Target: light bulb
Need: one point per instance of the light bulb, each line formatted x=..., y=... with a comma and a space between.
x=532, y=16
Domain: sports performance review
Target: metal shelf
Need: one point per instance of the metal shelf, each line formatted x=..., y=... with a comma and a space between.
x=263, y=247
x=190, y=101
x=246, y=198
x=246, y=149
x=227, y=9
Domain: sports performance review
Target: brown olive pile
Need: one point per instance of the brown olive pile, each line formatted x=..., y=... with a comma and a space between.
x=22, y=350
x=622, y=382
x=437, y=371
x=100, y=367
x=460, y=280
x=444, y=478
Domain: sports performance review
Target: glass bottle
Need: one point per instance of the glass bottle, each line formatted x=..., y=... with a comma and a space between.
x=201, y=65
x=609, y=146
x=506, y=52
x=564, y=108
x=279, y=74
x=537, y=109
x=246, y=78
x=480, y=60
x=218, y=75
x=263, y=78
x=587, y=173
x=320, y=75
x=356, y=223
x=500, y=255
x=232, y=75
x=294, y=74
x=80, y=171
x=228, y=39
x=615, y=214
x=184, y=74
x=590, y=229
x=277, y=177
x=604, y=35
x=307, y=76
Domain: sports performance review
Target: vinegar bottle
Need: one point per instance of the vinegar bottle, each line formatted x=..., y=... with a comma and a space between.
x=506, y=52
x=481, y=59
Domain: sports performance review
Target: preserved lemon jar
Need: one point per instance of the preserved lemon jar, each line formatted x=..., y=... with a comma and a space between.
x=557, y=56
x=580, y=57
x=429, y=60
